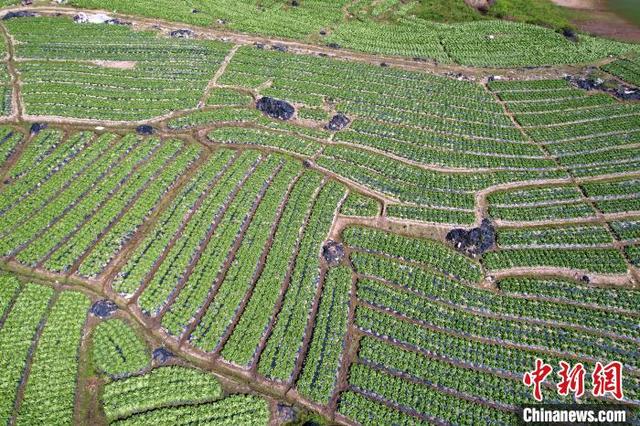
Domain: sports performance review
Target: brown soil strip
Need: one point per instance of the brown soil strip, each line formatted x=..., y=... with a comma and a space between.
x=14, y=157
x=594, y=16
x=351, y=345
x=121, y=65
x=214, y=81
x=87, y=404
x=4, y=316
x=613, y=280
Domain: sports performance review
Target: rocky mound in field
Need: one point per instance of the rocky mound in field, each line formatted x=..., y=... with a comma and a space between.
x=37, y=128
x=338, y=122
x=275, y=108
x=614, y=88
x=473, y=241
x=104, y=308
x=333, y=252
x=18, y=14
x=161, y=355
x=145, y=130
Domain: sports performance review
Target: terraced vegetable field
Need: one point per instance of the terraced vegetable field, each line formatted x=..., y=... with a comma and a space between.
x=229, y=222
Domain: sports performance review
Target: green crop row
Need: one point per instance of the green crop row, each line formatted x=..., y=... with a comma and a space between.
x=147, y=253
x=162, y=387
x=242, y=345
x=185, y=248
x=207, y=271
x=243, y=271
x=283, y=347
x=320, y=373
x=117, y=349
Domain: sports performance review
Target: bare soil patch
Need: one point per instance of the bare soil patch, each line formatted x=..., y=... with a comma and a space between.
x=594, y=17
x=121, y=65
x=581, y=4
x=608, y=24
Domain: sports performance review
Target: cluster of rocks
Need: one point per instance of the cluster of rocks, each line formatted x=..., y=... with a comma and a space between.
x=161, y=355
x=37, y=128
x=145, y=130
x=616, y=89
x=275, y=108
x=473, y=241
x=182, y=33
x=459, y=76
x=18, y=14
x=570, y=34
x=285, y=414
x=333, y=252
x=103, y=308
x=97, y=18
x=481, y=6
x=278, y=47
x=338, y=122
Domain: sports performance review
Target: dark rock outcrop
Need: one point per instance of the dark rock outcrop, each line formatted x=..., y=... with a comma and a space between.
x=570, y=34
x=37, y=128
x=161, y=355
x=473, y=241
x=275, y=108
x=338, y=122
x=627, y=93
x=18, y=14
x=117, y=21
x=333, y=252
x=181, y=33
x=104, y=308
x=285, y=414
x=620, y=91
x=145, y=130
